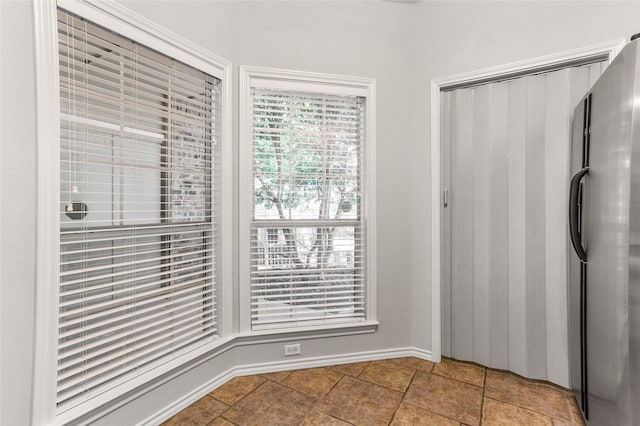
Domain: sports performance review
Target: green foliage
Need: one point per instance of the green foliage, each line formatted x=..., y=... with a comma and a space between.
x=298, y=163
x=306, y=155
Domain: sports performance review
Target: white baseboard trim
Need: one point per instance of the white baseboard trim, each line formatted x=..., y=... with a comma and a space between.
x=272, y=367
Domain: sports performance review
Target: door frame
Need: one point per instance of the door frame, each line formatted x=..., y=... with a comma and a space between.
x=603, y=51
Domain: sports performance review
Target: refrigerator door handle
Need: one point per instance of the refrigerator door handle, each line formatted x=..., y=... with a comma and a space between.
x=574, y=211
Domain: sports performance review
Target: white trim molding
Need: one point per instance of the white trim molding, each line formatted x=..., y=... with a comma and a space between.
x=225, y=345
x=272, y=367
x=133, y=26
x=47, y=238
x=603, y=51
x=127, y=23
x=308, y=82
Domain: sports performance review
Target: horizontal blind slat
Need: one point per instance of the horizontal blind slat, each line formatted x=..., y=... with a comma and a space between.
x=138, y=355
x=141, y=231
x=103, y=331
x=105, y=379
x=108, y=312
x=123, y=339
x=139, y=255
x=149, y=287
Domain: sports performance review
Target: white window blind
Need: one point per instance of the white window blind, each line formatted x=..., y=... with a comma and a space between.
x=307, y=235
x=139, y=191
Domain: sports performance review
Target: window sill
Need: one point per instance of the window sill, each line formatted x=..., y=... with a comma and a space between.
x=310, y=332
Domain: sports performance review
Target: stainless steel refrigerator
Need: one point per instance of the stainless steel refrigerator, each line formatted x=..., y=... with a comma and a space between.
x=604, y=226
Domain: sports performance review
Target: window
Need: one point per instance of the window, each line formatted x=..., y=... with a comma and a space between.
x=308, y=252
x=139, y=211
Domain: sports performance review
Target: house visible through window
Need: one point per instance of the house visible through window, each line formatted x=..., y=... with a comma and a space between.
x=138, y=209
x=307, y=233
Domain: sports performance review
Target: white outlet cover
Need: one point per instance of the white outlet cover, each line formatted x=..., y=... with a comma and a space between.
x=290, y=350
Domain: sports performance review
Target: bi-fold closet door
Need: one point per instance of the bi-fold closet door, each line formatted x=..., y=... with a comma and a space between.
x=506, y=159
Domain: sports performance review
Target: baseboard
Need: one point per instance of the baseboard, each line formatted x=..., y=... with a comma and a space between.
x=323, y=361
x=272, y=367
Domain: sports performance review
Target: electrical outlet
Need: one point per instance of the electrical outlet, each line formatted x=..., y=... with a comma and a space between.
x=292, y=349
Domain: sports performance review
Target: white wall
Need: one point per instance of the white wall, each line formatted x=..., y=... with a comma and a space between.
x=402, y=45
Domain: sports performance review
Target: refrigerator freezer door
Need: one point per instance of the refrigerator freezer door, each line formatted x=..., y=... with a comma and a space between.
x=631, y=378
x=607, y=198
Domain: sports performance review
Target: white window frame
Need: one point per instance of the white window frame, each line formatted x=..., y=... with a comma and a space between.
x=307, y=82
x=135, y=27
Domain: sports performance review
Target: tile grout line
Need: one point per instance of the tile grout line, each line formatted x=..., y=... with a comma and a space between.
x=266, y=376
x=223, y=418
x=444, y=416
x=404, y=393
x=545, y=385
x=387, y=387
x=239, y=399
x=332, y=387
x=320, y=399
x=220, y=415
x=548, y=416
x=243, y=396
x=484, y=387
x=484, y=379
x=468, y=363
x=423, y=408
x=457, y=380
x=315, y=407
x=317, y=399
x=300, y=390
x=415, y=373
x=393, y=415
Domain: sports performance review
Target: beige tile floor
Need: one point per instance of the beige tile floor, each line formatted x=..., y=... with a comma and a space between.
x=402, y=391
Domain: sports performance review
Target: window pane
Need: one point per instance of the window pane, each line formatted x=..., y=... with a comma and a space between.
x=138, y=203
x=307, y=156
x=307, y=257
